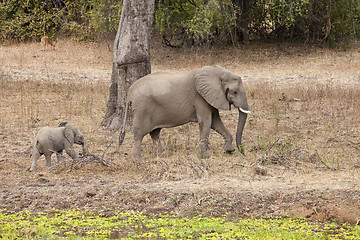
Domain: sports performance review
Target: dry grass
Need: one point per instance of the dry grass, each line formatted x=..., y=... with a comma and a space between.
x=312, y=124
x=300, y=130
x=305, y=111
x=301, y=140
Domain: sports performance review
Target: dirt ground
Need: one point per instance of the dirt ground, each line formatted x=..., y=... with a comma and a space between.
x=302, y=157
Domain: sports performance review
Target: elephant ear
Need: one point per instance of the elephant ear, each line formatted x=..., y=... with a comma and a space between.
x=208, y=84
x=69, y=133
x=62, y=124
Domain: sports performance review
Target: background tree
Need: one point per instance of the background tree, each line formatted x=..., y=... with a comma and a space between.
x=188, y=22
x=242, y=15
x=131, y=59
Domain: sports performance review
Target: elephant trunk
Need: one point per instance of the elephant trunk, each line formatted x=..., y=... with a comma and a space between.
x=243, y=112
x=83, y=147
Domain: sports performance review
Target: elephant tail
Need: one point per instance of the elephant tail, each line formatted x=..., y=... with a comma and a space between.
x=122, y=131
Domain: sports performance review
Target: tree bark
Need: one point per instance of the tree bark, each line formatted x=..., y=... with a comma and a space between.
x=242, y=32
x=131, y=59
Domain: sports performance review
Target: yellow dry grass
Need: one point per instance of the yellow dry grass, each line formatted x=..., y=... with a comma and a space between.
x=302, y=139
x=302, y=118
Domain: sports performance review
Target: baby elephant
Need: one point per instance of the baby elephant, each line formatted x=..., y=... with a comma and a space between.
x=54, y=140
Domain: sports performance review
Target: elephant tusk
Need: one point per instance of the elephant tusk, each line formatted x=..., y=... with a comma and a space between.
x=244, y=111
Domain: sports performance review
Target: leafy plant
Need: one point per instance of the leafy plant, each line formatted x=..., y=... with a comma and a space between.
x=185, y=22
x=83, y=224
x=194, y=22
x=307, y=20
x=30, y=20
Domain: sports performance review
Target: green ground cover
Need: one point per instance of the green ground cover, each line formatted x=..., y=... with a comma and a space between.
x=73, y=224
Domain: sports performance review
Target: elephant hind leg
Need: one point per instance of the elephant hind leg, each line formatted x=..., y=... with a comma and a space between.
x=155, y=136
x=36, y=154
x=136, y=150
x=48, y=159
x=219, y=127
x=203, y=114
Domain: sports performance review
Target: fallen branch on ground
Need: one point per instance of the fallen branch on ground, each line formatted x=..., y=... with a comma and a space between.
x=354, y=145
x=87, y=158
x=90, y=156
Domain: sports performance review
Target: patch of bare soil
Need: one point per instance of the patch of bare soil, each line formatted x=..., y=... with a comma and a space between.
x=299, y=161
x=251, y=197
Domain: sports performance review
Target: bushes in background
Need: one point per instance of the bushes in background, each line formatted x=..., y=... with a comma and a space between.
x=187, y=22
x=85, y=19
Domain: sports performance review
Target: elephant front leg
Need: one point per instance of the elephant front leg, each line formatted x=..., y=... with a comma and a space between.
x=219, y=127
x=59, y=156
x=203, y=114
x=204, y=141
x=204, y=126
x=71, y=152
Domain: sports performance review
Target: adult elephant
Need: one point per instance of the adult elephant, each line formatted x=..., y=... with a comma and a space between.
x=163, y=100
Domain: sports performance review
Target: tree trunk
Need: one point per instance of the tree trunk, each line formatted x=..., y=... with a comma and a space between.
x=242, y=32
x=131, y=59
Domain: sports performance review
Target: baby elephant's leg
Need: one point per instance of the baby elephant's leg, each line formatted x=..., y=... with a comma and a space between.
x=71, y=152
x=59, y=156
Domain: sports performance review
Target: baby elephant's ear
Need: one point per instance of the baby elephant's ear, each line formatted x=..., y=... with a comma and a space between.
x=209, y=86
x=62, y=124
x=69, y=133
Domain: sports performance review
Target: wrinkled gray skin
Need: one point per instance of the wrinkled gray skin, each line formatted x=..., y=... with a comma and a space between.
x=54, y=140
x=163, y=100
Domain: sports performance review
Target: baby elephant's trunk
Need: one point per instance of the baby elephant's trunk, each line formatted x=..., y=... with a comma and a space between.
x=83, y=147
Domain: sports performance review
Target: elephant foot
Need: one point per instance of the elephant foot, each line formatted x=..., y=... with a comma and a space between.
x=137, y=157
x=158, y=151
x=158, y=154
x=60, y=159
x=137, y=162
x=32, y=169
x=205, y=154
x=228, y=147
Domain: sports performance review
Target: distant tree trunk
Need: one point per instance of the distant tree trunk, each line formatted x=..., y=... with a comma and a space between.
x=242, y=32
x=131, y=56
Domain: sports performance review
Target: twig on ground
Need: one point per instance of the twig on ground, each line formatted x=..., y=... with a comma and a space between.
x=203, y=199
x=315, y=210
x=98, y=159
x=108, y=146
x=354, y=145
x=85, y=159
x=199, y=168
x=273, y=144
x=322, y=162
